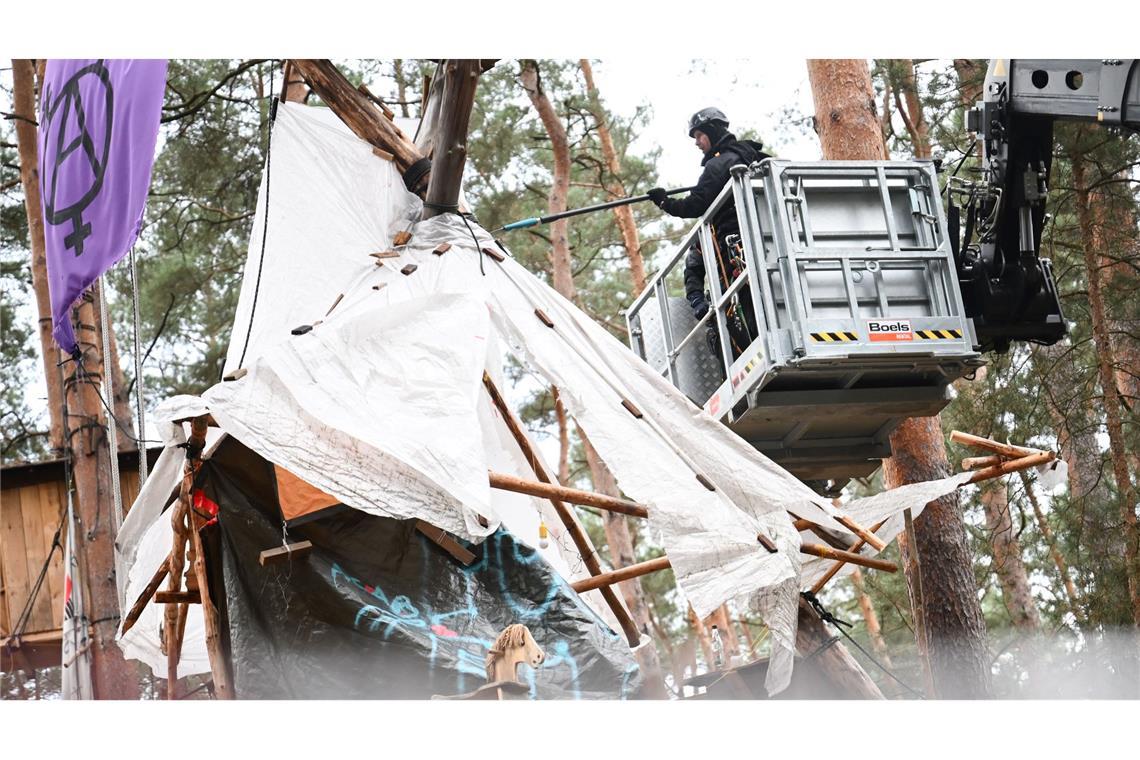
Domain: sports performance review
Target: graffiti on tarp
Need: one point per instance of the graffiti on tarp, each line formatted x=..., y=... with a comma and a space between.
x=388, y=615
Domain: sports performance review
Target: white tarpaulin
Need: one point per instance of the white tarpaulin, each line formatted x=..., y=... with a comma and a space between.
x=381, y=403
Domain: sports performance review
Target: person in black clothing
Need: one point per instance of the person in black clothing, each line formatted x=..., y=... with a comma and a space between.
x=709, y=130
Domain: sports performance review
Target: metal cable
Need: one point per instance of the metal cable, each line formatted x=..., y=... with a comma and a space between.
x=139, y=398
x=108, y=393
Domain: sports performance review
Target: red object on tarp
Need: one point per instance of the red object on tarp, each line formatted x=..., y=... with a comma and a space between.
x=203, y=503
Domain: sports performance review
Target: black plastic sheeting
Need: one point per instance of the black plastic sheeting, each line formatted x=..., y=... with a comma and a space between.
x=378, y=611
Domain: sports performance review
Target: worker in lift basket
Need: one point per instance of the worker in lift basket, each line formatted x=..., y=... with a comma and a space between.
x=709, y=130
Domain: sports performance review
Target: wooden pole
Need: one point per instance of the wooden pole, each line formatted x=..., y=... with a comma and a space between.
x=868, y=536
x=819, y=550
x=460, y=78
x=572, y=495
x=1014, y=465
x=577, y=535
x=661, y=563
x=1005, y=449
x=624, y=574
x=839, y=565
x=218, y=661
x=140, y=603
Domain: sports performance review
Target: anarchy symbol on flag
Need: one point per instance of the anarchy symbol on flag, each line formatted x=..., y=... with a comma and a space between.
x=67, y=124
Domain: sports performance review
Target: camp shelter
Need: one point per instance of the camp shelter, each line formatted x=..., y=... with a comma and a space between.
x=367, y=359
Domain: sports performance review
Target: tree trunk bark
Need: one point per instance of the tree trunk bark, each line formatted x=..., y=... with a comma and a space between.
x=112, y=676
x=24, y=106
x=870, y=618
x=460, y=80
x=294, y=90
x=848, y=679
x=560, y=186
x=1008, y=565
x=615, y=187
x=912, y=113
x=83, y=432
x=622, y=555
x=1113, y=407
x=955, y=629
x=401, y=86
x=1051, y=542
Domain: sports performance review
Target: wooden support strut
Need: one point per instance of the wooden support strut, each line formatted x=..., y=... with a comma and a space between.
x=663, y=563
x=577, y=535
x=573, y=495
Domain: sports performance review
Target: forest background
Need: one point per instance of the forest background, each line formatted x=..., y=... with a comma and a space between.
x=1047, y=564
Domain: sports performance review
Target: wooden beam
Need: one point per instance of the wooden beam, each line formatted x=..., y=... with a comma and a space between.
x=505, y=482
x=624, y=574
x=178, y=597
x=219, y=666
x=577, y=535
x=444, y=541
x=285, y=552
x=140, y=603
x=819, y=550
x=1013, y=465
x=359, y=113
x=839, y=565
x=460, y=79
x=861, y=532
x=973, y=463
x=1005, y=449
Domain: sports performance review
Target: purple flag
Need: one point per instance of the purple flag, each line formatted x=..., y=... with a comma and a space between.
x=98, y=127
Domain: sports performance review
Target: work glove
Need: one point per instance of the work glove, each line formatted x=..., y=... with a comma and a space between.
x=700, y=309
x=658, y=196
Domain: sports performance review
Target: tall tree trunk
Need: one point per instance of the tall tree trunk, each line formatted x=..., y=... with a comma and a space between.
x=1051, y=542
x=563, y=438
x=294, y=89
x=622, y=555
x=24, y=106
x=124, y=423
x=913, y=117
x=560, y=186
x=848, y=128
x=460, y=78
x=401, y=86
x=1008, y=565
x=1106, y=363
x=615, y=187
x=870, y=618
x=85, y=436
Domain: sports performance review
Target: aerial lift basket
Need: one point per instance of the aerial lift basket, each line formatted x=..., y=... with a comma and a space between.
x=856, y=324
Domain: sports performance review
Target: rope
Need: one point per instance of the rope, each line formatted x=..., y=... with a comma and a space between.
x=108, y=392
x=827, y=617
x=139, y=397
x=475, y=240
x=265, y=219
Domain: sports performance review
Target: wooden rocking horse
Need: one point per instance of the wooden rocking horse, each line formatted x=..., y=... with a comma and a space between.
x=515, y=645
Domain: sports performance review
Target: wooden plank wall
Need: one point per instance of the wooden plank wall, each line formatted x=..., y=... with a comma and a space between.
x=29, y=517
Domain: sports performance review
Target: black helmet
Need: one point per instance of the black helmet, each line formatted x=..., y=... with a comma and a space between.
x=707, y=116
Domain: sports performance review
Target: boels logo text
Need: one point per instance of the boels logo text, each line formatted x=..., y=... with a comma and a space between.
x=889, y=330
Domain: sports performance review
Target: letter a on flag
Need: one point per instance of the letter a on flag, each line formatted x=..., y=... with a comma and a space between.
x=98, y=127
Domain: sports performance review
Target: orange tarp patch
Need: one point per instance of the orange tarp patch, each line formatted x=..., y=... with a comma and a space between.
x=297, y=498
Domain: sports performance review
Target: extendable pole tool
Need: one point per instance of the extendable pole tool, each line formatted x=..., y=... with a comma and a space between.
x=536, y=220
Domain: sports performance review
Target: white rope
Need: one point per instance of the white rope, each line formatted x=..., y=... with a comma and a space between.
x=139, y=399
x=109, y=402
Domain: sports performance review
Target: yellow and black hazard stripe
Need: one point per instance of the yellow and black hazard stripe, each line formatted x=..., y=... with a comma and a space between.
x=834, y=337
x=939, y=334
